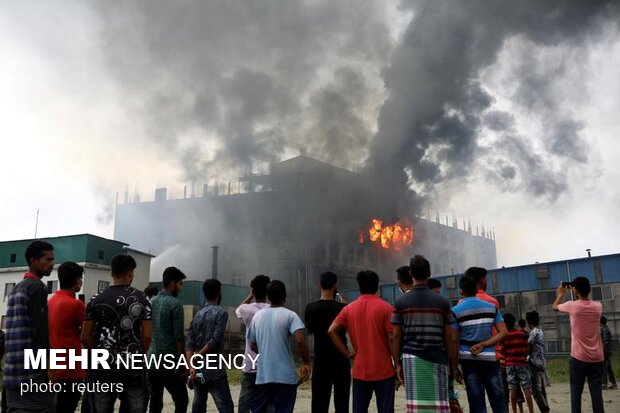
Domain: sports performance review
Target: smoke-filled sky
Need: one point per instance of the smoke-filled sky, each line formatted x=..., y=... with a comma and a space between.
x=500, y=112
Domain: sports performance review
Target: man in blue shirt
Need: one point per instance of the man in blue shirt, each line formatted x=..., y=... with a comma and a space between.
x=206, y=336
x=276, y=379
x=474, y=319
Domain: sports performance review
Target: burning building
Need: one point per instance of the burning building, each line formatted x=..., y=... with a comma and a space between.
x=302, y=218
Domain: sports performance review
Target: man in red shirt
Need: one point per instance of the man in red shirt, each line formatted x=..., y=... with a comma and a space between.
x=367, y=320
x=66, y=315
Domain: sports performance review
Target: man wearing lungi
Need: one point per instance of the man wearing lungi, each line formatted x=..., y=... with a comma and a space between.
x=423, y=334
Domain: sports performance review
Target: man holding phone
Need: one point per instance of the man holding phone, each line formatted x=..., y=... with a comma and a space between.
x=586, y=353
x=331, y=368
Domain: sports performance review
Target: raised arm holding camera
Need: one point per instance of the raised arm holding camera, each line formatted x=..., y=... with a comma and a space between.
x=586, y=353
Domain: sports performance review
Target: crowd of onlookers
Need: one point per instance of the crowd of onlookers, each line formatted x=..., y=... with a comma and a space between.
x=421, y=342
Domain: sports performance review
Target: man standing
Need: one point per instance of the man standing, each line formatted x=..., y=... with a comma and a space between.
x=246, y=311
x=27, y=328
x=607, y=343
x=455, y=407
x=403, y=279
x=276, y=379
x=367, y=320
x=537, y=360
x=475, y=320
x=118, y=320
x=480, y=276
x=66, y=315
x=168, y=338
x=206, y=336
x=150, y=293
x=422, y=332
x=331, y=368
x=586, y=348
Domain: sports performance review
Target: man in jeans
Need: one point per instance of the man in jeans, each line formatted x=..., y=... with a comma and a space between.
x=586, y=349
x=538, y=350
x=269, y=334
x=367, y=321
x=206, y=336
x=168, y=338
x=607, y=343
x=475, y=320
x=118, y=320
x=246, y=312
x=330, y=367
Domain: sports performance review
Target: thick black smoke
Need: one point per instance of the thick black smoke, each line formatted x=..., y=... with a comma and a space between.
x=432, y=119
x=227, y=86
x=235, y=85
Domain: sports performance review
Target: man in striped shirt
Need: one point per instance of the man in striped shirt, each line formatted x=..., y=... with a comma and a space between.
x=422, y=332
x=474, y=320
x=480, y=275
x=516, y=349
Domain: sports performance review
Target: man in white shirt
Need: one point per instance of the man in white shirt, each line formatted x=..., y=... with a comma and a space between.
x=246, y=311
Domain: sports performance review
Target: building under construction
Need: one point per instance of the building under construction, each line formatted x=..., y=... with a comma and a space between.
x=302, y=218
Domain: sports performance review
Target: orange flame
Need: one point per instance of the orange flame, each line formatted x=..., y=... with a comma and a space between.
x=394, y=236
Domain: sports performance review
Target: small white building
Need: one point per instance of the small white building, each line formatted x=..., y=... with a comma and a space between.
x=90, y=251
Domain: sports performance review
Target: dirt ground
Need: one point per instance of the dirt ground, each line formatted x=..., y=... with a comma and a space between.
x=558, y=394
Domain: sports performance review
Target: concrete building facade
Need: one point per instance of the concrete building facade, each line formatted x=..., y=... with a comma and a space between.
x=90, y=251
x=302, y=218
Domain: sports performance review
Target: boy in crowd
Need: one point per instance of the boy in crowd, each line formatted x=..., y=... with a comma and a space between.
x=537, y=360
x=516, y=349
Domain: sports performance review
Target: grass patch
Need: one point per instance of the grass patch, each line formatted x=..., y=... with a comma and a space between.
x=558, y=368
x=234, y=376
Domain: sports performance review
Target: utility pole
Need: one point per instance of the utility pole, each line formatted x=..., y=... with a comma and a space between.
x=36, y=224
